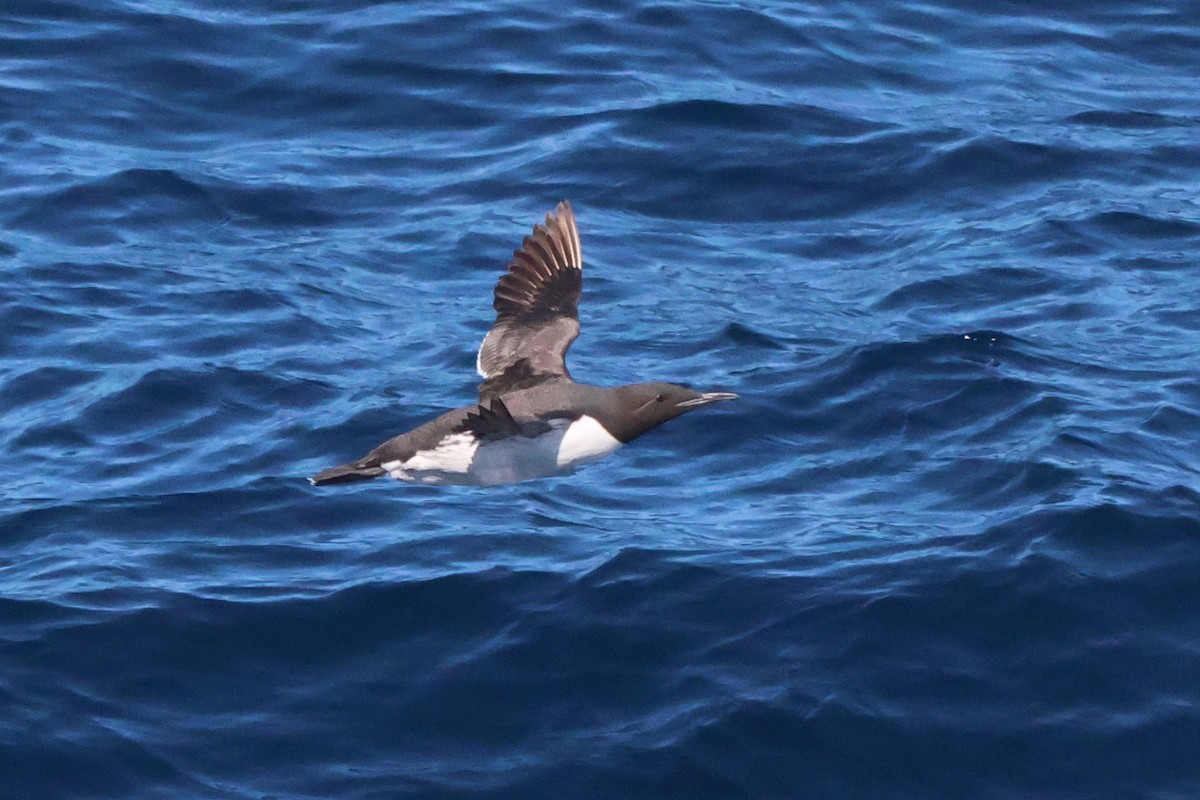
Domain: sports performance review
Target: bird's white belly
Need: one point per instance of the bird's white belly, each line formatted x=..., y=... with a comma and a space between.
x=462, y=459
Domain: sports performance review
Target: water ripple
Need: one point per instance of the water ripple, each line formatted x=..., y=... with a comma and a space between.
x=944, y=545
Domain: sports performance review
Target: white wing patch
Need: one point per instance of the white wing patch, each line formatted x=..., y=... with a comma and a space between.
x=479, y=357
x=454, y=454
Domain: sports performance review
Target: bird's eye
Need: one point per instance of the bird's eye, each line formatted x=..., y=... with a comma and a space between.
x=660, y=398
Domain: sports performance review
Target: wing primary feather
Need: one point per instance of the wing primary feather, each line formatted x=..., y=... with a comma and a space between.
x=493, y=421
x=536, y=303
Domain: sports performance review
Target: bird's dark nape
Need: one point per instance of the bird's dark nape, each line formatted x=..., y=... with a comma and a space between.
x=346, y=473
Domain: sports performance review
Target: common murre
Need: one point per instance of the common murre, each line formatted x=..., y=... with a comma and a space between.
x=532, y=420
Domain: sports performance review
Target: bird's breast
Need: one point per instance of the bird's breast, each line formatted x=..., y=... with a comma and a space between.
x=461, y=458
x=584, y=440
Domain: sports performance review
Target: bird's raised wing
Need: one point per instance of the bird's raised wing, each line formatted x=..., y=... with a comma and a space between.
x=537, y=309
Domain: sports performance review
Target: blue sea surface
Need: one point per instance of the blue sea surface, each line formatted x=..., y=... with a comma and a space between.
x=946, y=545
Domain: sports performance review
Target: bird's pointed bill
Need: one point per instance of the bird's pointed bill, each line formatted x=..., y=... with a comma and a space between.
x=706, y=399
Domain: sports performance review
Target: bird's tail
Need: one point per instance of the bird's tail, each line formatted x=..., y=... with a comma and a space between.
x=346, y=473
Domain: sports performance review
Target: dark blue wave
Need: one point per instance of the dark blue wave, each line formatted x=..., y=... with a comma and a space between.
x=945, y=545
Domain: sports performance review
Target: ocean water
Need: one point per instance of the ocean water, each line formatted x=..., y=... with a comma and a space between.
x=946, y=545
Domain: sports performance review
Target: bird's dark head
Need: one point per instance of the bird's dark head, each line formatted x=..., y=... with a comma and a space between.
x=645, y=406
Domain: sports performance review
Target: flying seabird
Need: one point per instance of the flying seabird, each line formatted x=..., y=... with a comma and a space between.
x=531, y=420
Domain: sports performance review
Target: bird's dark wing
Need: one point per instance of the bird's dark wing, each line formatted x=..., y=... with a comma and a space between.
x=492, y=421
x=537, y=309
